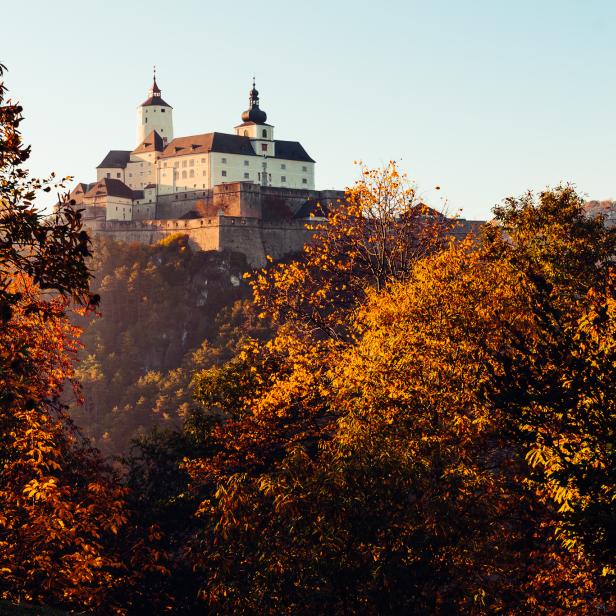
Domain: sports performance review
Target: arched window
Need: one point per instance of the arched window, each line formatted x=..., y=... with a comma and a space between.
x=192, y=173
x=264, y=133
x=245, y=133
x=183, y=174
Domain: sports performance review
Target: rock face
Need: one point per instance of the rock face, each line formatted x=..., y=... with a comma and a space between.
x=163, y=311
x=256, y=221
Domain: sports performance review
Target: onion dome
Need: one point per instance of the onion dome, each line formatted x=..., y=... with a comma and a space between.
x=253, y=113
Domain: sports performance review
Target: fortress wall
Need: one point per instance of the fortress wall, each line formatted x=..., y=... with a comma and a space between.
x=244, y=199
x=283, y=239
x=238, y=199
x=203, y=233
x=249, y=236
x=168, y=207
x=240, y=229
x=243, y=235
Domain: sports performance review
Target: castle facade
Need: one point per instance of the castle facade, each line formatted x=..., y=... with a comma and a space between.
x=207, y=185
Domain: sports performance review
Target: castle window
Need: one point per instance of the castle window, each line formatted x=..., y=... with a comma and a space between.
x=183, y=163
x=192, y=173
x=109, y=175
x=146, y=120
x=304, y=181
x=203, y=161
x=283, y=166
x=246, y=163
x=204, y=172
x=118, y=175
x=192, y=162
x=283, y=178
x=224, y=161
x=246, y=176
x=264, y=147
x=183, y=174
x=304, y=168
x=264, y=134
x=162, y=110
x=245, y=133
x=224, y=173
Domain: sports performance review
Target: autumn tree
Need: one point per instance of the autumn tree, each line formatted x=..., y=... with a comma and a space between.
x=558, y=387
x=373, y=236
x=423, y=465
x=61, y=508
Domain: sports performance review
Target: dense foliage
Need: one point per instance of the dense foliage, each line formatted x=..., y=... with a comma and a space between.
x=60, y=508
x=427, y=427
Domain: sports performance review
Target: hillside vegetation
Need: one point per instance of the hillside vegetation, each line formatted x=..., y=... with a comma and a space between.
x=165, y=312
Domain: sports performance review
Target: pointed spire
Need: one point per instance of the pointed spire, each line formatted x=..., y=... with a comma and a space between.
x=154, y=96
x=154, y=90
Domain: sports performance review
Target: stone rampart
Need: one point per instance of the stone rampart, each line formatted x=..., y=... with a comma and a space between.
x=258, y=221
x=249, y=236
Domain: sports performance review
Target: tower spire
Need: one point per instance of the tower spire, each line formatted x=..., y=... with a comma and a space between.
x=154, y=90
x=253, y=113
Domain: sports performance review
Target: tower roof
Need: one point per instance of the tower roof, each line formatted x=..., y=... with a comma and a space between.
x=253, y=113
x=155, y=98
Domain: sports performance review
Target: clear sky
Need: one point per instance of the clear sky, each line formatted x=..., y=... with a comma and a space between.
x=484, y=98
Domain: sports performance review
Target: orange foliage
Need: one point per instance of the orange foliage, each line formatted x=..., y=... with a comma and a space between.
x=59, y=506
x=384, y=468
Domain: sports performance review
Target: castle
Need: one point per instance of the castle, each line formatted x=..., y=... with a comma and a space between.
x=243, y=191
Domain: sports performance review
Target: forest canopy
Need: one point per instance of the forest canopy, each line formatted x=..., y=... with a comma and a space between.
x=393, y=422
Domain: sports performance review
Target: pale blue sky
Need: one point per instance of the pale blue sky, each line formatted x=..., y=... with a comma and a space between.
x=484, y=98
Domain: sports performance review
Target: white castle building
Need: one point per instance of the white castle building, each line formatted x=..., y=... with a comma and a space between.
x=242, y=192
x=163, y=167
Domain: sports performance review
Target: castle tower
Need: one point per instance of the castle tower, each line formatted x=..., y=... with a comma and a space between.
x=154, y=114
x=255, y=127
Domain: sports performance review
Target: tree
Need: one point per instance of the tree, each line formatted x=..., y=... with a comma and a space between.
x=557, y=383
x=372, y=237
x=61, y=508
x=421, y=464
